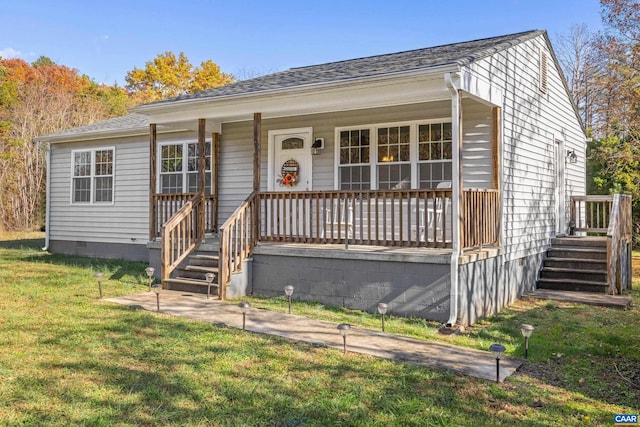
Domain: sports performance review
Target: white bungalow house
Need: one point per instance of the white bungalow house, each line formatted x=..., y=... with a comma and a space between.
x=434, y=180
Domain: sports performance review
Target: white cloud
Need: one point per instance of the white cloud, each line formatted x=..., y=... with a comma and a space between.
x=10, y=52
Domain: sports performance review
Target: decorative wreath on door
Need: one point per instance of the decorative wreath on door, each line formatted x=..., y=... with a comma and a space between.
x=289, y=174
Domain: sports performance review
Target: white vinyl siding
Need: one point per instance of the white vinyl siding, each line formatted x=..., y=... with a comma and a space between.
x=532, y=122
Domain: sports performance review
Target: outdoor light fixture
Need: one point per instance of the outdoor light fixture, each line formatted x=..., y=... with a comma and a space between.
x=526, y=330
x=245, y=307
x=288, y=290
x=497, y=350
x=343, y=328
x=382, y=309
x=99, y=277
x=150, y=271
x=318, y=144
x=572, y=157
x=209, y=277
x=157, y=287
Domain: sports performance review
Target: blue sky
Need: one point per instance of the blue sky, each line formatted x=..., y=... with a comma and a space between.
x=106, y=39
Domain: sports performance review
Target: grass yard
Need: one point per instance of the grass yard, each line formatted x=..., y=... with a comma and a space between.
x=69, y=358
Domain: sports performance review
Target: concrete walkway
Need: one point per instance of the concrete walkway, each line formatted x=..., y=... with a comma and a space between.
x=474, y=363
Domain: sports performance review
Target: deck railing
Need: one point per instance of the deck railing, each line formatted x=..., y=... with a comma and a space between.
x=619, y=244
x=181, y=234
x=238, y=236
x=419, y=218
x=166, y=206
x=591, y=213
x=610, y=216
x=480, y=218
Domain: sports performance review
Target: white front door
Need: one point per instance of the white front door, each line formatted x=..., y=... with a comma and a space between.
x=290, y=159
x=559, y=193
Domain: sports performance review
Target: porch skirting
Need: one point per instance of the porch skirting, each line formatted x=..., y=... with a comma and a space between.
x=127, y=251
x=412, y=285
x=345, y=278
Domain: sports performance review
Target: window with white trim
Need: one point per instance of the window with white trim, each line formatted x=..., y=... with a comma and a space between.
x=92, y=175
x=179, y=167
x=379, y=157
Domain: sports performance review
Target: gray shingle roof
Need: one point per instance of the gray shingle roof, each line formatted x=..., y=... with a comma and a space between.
x=458, y=53
x=130, y=121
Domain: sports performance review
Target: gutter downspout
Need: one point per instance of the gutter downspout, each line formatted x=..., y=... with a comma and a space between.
x=47, y=197
x=455, y=202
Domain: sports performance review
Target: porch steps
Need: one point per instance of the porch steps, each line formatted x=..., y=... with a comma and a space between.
x=576, y=264
x=190, y=277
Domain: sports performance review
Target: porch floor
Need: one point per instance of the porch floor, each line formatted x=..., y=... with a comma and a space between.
x=465, y=361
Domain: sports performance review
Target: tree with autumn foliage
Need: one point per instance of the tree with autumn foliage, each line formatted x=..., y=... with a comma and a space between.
x=37, y=99
x=167, y=76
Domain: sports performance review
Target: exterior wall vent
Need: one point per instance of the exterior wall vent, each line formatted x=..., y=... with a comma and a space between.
x=543, y=72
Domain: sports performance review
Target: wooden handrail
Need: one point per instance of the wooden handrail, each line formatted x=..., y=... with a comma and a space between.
x=238, y=237
x=619, y=233
x=591, y=213
x=166, y=205
x=181, y=234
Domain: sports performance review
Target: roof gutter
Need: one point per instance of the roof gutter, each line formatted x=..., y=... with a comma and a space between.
x=455, y=202
x=195, y=102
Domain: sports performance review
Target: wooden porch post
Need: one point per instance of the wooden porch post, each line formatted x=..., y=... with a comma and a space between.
x=152, y=181
x=201, y=173
x=215, y=154
x=497, y=164
x=257, y=139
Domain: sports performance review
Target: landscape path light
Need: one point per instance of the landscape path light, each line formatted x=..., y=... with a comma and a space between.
x=344, y=328
x=288, y=291
x=244, y=307
x=526, y=330
x=99, y=277
x=382, y=309
x=157, y=287
x=209, y=277
x=150, y=270
x=497, y=350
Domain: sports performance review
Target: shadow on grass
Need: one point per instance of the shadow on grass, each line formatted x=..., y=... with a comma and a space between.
x=35, y=244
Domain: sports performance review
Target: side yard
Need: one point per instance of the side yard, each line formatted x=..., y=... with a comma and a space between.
x=67, y=357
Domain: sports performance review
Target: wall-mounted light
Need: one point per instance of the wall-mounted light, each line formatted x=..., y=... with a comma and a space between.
x=572, y=157
x=318, y=144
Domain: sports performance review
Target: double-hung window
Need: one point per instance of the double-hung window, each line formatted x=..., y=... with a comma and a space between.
x=395, y=156
x=179, y=167
x=92, y=175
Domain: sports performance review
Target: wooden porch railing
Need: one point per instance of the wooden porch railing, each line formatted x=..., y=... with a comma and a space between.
x=610, y=215
x=480, y=220
x=181, y=234
x=591, y=213
x=238, y=236
x=167, y=205
x=619, y=245
x=418, y=218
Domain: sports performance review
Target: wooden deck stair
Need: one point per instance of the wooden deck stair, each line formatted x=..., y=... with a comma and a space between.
x=575, y=264
x=190, y=277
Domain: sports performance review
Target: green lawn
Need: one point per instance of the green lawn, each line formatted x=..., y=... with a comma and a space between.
x=69, y=358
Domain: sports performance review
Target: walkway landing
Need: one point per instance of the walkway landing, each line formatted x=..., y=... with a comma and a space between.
x=590, y=298
x=474, y=363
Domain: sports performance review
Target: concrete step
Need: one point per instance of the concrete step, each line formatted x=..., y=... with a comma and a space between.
x=581, y=253
x=615, y=301
x=576, y=263
x=573, y=285
x=573, y=274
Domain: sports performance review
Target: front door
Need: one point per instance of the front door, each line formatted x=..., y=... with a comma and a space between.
x=290, y=162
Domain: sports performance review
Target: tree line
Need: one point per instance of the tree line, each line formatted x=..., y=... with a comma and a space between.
x=43, y=97
x=603, y=72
